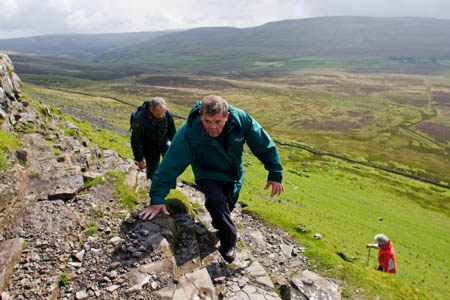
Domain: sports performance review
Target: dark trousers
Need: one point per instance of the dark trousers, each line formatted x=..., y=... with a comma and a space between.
x=220, y=202
x=152, y=160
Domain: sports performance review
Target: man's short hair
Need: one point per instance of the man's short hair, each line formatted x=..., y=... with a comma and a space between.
x=381, y=239
x=157, y=101
x=212, y=105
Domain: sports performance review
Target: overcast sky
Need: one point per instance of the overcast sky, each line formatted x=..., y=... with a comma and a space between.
x=19, y=18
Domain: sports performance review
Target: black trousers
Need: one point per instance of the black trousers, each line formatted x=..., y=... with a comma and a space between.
x=152, y=159
x=220, y=202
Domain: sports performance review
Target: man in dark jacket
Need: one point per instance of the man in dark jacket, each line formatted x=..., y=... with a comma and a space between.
x=152, y=131
x=212, y=142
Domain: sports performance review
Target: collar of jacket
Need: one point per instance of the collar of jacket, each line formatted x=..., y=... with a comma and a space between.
x=152, y=118
x=387, y=246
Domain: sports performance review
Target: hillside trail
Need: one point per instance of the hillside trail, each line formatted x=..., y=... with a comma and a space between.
x=62, y=240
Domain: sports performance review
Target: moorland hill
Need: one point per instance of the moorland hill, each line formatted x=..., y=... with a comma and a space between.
x=325, y=36
x=406, y=40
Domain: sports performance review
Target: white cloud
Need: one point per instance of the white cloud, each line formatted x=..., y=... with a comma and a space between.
x=31, y=17
x=82, y=20
x=8, y=8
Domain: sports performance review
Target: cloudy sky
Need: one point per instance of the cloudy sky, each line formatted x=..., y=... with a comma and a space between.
x=19, y=18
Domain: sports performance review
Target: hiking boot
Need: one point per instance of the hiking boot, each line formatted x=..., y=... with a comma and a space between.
x=229, y=254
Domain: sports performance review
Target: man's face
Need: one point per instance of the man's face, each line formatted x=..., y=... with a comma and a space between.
x=159, y=111
x=214, y=124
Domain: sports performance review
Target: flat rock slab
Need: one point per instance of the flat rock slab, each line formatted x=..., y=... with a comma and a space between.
x=62, y=185
x=195, y=285
x=10, y=251
x=316, y=287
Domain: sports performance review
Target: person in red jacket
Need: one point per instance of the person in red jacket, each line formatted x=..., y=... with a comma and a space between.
x=386, y=257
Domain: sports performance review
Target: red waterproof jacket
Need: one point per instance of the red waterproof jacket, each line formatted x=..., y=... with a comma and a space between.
x=386, y=258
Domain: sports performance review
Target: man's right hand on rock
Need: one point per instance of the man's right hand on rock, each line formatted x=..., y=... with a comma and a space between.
x=152, y=211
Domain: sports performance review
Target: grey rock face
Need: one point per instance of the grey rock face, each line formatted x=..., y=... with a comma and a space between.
x=9, y=81
x=3, y=114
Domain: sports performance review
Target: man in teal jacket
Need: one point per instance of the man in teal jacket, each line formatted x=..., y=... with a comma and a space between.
x=212, y=142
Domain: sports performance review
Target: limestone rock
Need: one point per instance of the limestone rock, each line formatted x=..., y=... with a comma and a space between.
x=159, y=267
x=3, y=114
x=203, y=283
x=10, y=251
x=316, y=287
x=9, y=81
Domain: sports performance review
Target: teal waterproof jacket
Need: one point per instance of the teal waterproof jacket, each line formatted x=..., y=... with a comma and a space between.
x=209, y=158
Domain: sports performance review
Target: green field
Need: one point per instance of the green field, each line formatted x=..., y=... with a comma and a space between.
x=345, y=203
x=398, y=122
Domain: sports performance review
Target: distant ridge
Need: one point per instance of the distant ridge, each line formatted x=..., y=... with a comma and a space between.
x=77, y=45
x=324, y=36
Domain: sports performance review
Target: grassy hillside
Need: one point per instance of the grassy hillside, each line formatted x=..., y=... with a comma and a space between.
x=346, y=203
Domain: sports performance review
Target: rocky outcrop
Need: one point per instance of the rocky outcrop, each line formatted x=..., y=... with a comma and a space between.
x=62, y=240
x=10, y=82
x=9, y=89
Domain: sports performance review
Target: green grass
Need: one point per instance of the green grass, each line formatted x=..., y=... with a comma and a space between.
x=344, y=204
x=94, y=181
x=8, y=144
x=177, y=202
x=57, y=151
x=64, y=278
x=92, y=228
x=104, y=138
x=71, y=132
x=122, y=193
x=95, y=213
